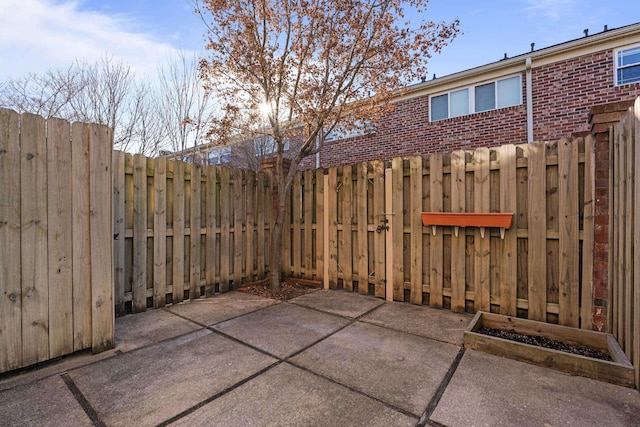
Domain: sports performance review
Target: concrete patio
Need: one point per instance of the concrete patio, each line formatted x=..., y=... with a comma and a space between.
x=326, y=358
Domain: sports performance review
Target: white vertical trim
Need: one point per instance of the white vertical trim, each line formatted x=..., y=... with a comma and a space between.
x=529, y=89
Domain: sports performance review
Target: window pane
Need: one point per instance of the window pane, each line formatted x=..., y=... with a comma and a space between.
x=629, y=75
x=629, y=57
x=440, y=107
x=509, y=92
x=459, y=103
x=485, y=97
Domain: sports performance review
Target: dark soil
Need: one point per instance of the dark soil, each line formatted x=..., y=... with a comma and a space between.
x=546, y=343
x=288, y=290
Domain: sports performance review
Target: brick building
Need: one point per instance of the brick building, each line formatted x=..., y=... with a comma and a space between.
x=544, y=94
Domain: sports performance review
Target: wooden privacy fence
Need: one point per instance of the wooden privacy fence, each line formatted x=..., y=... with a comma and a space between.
x=185, y=230
x=55, y=218
x=359, y=227
x=625, y=236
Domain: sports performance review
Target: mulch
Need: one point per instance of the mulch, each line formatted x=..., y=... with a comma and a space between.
x=288, y=289
x=546, y=343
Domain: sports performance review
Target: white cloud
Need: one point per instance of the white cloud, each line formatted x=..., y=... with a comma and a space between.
x=554, y=10
x=39, y=34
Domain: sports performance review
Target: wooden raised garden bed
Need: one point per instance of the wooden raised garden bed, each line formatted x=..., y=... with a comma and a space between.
x=618, y=371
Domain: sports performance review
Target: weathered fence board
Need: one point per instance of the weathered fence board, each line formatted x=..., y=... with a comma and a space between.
x=10, y=260
x=35, y=292
x=59, y=237
x=101, y=235
x=81, y=236
x=415, y=171
x=537, y=227
x=481, y=189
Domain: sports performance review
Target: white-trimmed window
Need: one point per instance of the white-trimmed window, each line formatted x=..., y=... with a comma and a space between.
x=358, y=128
x=627, y=65
x=474, y=99
x=219, y=156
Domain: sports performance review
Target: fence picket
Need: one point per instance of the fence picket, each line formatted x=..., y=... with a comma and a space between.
x=237, y=228
x=139, y=287
x=459, y=242
x=10, y=230
x=307, y=216
x=261, y=223
x=332, y=231
x=59, y=237
x=568, y=223
x=362, y=185
x=119, y=226
x=415, y=218
x=195, y=238
x=296, y=232
x=586, y=299
x=249, y=235
x=379, y=238
x=225, y=222
x=320, y=228
x=508, y=245
x=35, y=292
x=345, y=248
x=481, y=250
x=398, y=229
x=537, y=227
x=436, y=261
x=211, y=250
x=178, y=232
x=160, y=233
x=103, y=320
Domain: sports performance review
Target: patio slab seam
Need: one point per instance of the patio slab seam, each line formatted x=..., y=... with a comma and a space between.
x=433, y=404
x=82, y=400
x=408, y=332
x=352, y=389
x=217, y=395
x=168, y=309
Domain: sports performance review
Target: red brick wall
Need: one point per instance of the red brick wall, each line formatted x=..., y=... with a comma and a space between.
x=565, y=91
x=408, y=132
x=563, y=94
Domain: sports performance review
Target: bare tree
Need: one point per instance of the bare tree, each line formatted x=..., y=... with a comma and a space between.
x=312, y=64
x=48, y=94
x=185, y=106
x=143, y=129
x=103, y=97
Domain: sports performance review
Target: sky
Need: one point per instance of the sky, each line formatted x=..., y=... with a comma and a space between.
x=36, y=35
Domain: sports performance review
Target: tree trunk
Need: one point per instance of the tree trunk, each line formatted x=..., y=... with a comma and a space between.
x=275, y=258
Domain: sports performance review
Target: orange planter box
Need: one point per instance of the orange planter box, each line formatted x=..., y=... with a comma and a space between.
x=454, y=219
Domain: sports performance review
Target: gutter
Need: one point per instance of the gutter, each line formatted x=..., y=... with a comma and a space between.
x=529, y=96
x=555, y=50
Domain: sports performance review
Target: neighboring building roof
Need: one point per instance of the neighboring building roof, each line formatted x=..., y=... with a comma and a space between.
x=609, y=38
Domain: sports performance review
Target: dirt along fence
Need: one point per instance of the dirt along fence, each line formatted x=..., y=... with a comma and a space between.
x=624, y=274
x=55, y=218
x=182, y=230
x=359, y=227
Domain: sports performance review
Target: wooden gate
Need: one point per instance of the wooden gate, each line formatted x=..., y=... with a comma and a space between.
x=55, y=217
